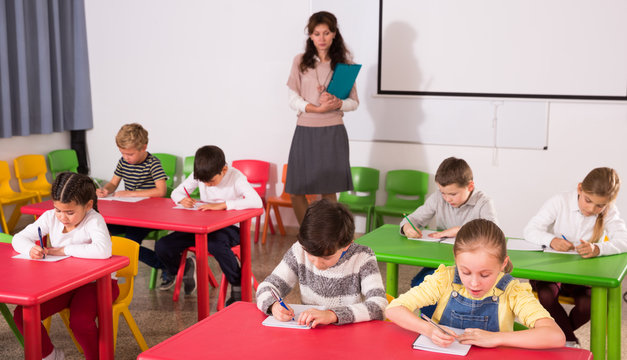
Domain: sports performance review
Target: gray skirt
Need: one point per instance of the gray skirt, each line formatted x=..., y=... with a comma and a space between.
x=319, y=161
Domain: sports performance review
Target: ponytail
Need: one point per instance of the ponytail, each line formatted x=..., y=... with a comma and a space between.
x=602, y=182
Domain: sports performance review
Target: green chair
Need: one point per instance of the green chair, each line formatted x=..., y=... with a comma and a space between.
x=168, y=161
x=188, y=168
x=62, y=160
x=364, y=195
x=406, y=191
x=4, y=309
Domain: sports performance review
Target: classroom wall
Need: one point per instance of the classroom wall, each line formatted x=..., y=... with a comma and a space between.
x=199, y=72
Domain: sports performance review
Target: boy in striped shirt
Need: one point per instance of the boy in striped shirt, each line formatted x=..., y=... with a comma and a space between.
x=331, y=270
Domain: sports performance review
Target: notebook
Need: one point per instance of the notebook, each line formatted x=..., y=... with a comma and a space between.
x=524, y=245
x=293, y=324
x=343, y=80
x=426, y=237
x=424, y=343
x=123, y=198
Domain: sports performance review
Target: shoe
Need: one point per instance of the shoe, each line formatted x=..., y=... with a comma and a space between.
x=236, y=295
x=167, y=282
x=573, y=344
x=189, y=277
x=56, y=354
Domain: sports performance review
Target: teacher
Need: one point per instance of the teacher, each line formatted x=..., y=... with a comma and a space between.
x=319, y=156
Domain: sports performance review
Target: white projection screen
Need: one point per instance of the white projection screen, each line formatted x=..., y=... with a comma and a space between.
x=568, y=49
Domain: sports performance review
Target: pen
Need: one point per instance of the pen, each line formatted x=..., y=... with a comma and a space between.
x=412, y=225
x=436, y=325
x=41, y=241
x=564, y=237
x=279, y=300
x=186, y=192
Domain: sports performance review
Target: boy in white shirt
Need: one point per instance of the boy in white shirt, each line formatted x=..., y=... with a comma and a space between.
x=221, y=188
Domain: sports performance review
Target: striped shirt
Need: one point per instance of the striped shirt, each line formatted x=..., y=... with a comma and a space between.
x=352, y=288
x=140, y=176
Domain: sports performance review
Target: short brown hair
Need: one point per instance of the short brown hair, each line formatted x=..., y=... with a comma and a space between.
x=208, y=162
x=327, y=227
x=131, y=135
x=453, y=171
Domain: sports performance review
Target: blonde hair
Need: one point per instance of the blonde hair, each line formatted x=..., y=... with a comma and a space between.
x=482, y=234
x=131, y=135
x=603, y=182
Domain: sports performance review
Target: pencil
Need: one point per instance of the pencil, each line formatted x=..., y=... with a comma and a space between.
x=436, y=325
x=412, y=225
x=186, y=192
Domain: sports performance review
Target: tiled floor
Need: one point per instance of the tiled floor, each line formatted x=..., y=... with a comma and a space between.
x=159, y=317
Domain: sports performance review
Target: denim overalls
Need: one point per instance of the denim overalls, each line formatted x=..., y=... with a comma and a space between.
x=463, y=313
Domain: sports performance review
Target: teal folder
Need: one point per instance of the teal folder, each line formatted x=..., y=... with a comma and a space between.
x=343, y=79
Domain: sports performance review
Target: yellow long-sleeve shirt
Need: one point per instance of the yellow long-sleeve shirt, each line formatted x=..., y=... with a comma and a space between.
x=517, y=301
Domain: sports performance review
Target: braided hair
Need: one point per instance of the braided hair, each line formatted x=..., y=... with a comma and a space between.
x=69, y=186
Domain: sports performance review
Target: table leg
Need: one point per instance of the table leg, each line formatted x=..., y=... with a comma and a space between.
x=32, y=332
x=392, y=279
x=598, y=322
x=245, y=257
x=613, y=322
x=105, y=318
x=202, y=275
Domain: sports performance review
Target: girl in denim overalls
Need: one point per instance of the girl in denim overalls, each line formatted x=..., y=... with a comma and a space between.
x=478, y=295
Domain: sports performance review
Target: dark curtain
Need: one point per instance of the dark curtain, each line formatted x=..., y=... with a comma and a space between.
x=44, y=69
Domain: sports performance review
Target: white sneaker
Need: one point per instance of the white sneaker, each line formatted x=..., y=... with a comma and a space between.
x=572, y=344
x=56, y=354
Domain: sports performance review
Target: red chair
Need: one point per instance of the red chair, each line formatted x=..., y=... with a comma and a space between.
x=257, y=172
x=212, y=280
x=274, y=202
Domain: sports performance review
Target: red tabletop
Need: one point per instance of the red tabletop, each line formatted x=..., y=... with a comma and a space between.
x=29, y=283
x=159, y=213
x=236, y=333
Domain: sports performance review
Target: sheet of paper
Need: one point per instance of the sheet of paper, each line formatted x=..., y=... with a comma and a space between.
x=426, y=237
x=551, y=250
x=49, y=258
x=123, y=198
x=424, y=343
x=197, y=204
x=522, y=244
x=293, y=324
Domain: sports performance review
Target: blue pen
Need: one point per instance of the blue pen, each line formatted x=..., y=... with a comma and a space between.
x=279, y=300
x=41, y=241
x=564, y=237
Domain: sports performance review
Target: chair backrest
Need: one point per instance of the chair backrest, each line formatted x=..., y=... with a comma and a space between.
x=30, y=166
x=406, y=188
x=5, y=177
x=129, y=248
x=62, y=160
x=257, y=172
x=365, y=186
x=188, y=165
x=168, y=162
x=6, y=238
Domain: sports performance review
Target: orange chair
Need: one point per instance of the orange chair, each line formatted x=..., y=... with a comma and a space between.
x=10, y=197
x=212, y=280
x=32, y=166
x=274, y=202
x=257, y=172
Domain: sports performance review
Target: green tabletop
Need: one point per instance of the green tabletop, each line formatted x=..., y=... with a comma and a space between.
x=603, y=274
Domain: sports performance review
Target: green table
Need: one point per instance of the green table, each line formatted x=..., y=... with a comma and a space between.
x=603, y=274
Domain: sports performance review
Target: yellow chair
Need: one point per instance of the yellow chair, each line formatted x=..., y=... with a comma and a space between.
x=126, y=282
x=10, y=197
x=32, y=166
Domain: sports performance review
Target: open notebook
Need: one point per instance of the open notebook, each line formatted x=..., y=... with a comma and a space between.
x=424, y=343
x=293, y=324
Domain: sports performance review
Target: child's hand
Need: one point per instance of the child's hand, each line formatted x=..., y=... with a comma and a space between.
x=123, y=193
x=188, y=202
x=409, y=231
x=587, y=249
x=561, y=244
x=316, y=317
x=440, y=338
x=36, y=252
x=448, y=233
x=280, y=313
x=480, y=337
x=102, y=192
x=212, y=206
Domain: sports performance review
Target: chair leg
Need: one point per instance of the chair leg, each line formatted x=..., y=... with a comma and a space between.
x=267, y=220
x=134, y=329
x=257, y=226
x=65, y=316
x=153, y=278
x=5, y=228
x=224, y=284
x=9, y=318
x=278, y=219
x=179, y=277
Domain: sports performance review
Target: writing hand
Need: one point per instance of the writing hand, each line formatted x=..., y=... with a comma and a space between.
x=36, y=252
x=102, y=192
x=280, y=313
x=188, y=202
x=441, y=338
x=561, y=244
x=587, y=249
x=409, y=231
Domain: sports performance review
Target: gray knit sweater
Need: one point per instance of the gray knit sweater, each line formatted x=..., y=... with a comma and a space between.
x=352, y=288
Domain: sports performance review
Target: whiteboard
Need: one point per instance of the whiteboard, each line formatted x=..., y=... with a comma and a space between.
x=573, y=49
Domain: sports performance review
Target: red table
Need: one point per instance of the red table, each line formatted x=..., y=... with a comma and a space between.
x=236, y=333
x=30, y=283
x=158, y=213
